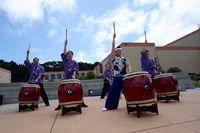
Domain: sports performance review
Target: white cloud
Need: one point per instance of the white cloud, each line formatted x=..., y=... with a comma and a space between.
x=164, y=21
x=19, y=11
x=172, y=20
x=23, y=11
x=82, y=56
x=144, y=2
x=35, y=50
x=49, y=50
x=60, y=5
x=100, y=29
x=52, y=32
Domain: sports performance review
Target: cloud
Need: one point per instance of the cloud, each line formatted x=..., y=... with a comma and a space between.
x=100, y=29
x=169, y=20
x=52, y=33
x=22, y=11
x=60, y=5
x=35, y=50
x=24, y=14
x=82, y=56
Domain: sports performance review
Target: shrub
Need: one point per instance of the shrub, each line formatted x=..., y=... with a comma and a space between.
x=173, y=70
x=195, y=77
x=90, y=75
x=196, y=84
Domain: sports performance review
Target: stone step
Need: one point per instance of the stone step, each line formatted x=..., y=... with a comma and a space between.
x=10, y=91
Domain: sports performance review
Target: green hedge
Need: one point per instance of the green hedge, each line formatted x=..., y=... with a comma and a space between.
x=173, y=70
x=194, y=76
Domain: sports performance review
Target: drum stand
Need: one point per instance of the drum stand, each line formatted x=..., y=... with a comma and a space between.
x=140, y=107
x=168, y=96
x=25, y=106
x=71, y=107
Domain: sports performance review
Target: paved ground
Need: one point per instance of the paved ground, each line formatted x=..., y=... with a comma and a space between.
x=174, y=117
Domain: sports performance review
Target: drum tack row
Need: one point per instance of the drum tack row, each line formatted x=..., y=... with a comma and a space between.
x=140, y=91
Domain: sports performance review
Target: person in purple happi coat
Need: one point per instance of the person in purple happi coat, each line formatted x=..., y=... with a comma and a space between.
x=147, y=64
x=71, y=68
x=36, y=74
x=107, y=80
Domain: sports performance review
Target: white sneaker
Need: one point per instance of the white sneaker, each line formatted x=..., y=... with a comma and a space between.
x=104, y=109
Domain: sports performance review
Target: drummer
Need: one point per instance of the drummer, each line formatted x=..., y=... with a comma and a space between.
x=148, y=64
x=36, y=74
x=107, y=80
x=70, y=68
x=120, y=64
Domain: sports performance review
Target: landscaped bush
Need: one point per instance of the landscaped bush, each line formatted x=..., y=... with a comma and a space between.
x=173, y=70
x=195, y=77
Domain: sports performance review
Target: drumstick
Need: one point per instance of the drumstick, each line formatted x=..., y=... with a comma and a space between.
x=66, y=34
x=145, y=37
x=29, y=47
x=114, y=26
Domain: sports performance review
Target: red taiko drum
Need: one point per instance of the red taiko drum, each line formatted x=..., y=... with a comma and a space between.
x=139, y=92
x=29, y=95
x=166, y=86
x=70, y=95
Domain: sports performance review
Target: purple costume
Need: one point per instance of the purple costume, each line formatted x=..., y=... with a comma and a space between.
x=107, y=75
x=69, y=67
x=34, y=72
x=148, y=65
x=106, y=85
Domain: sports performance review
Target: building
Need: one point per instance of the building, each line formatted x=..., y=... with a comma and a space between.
x=5, y=76
x=59, y=75
x=183, y=53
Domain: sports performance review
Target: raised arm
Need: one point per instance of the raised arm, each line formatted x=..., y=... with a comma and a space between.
x=128, y=66
x=65, y=47
x=144, y=42
x=113, y=47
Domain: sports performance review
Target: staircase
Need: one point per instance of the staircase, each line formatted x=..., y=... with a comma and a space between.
x=184, y=81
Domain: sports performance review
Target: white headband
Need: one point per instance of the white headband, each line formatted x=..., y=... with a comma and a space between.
x=118, y=49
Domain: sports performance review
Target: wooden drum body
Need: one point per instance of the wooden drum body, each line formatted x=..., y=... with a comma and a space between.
x=29, y=95
x=166, y=86
x=139, y=93
x=70, y=95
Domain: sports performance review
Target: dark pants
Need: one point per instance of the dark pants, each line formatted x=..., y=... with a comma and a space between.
x=112, y=100
x=106, y=87
x=43, y=94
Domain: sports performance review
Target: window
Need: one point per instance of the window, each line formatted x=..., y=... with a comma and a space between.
x=59, y=76
x=82, y=74
x=53, y=76
x=46, y=77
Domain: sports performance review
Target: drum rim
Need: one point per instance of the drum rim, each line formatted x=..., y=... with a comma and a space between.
x=70, y=81
x=164, y=75
x=30, y=85
x=134, y=73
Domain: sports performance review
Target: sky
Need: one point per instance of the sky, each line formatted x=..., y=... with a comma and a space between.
x=89, y=23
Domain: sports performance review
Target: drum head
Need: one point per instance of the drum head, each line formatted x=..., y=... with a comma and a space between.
x=164, y=75
x=69, y=81
x=30, y=85
x=136, y=74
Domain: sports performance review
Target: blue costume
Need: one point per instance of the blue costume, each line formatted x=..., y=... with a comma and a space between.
x=119, y=67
